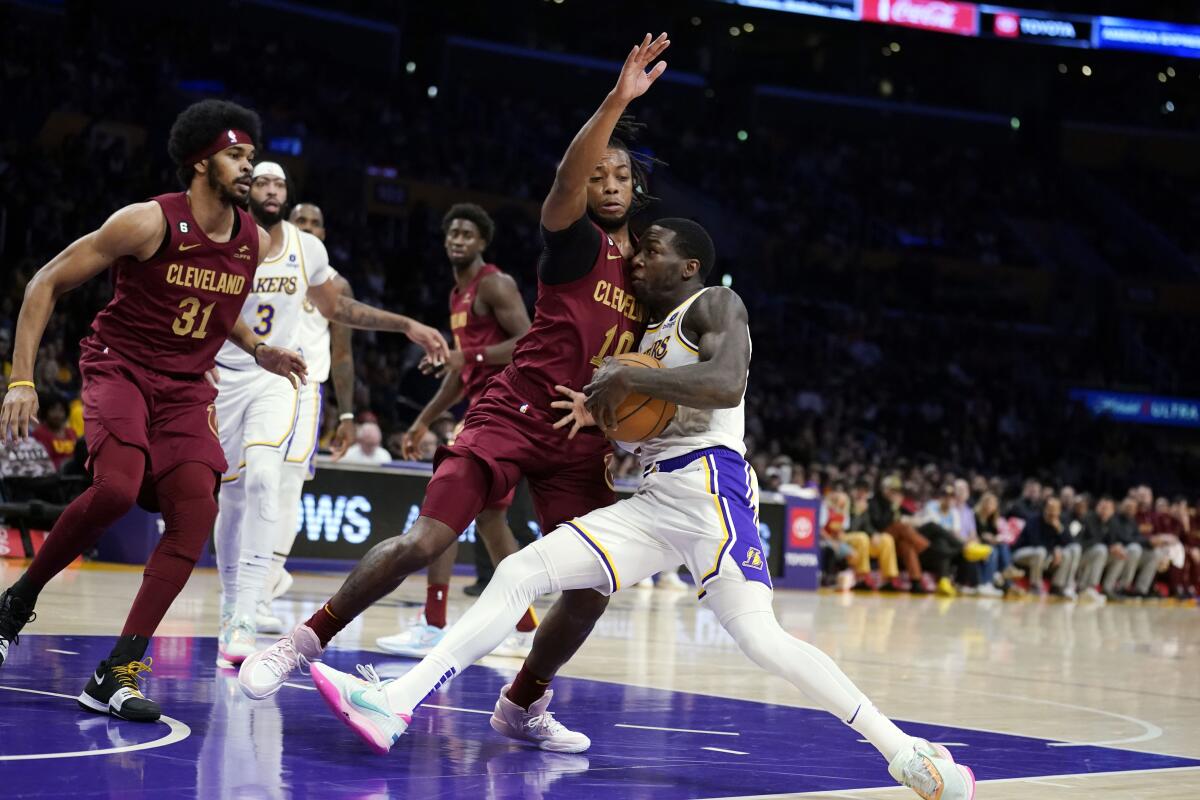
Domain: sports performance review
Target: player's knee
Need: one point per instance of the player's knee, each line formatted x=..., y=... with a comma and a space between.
x=424, y=541
x=114, y=495
x=584, y=606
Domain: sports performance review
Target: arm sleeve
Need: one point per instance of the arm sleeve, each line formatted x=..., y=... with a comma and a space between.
x=569, y=254
x=316, y=260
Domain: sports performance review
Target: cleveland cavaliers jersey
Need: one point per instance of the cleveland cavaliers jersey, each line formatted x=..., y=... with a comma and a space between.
x=692, y=428
x=274, y=307
x=173, y=311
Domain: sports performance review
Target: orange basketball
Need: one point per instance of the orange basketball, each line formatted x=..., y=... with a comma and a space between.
x=640, y=417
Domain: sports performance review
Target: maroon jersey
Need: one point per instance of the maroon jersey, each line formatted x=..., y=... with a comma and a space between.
x=577, y=325
x=172, y=312
x=474, y=331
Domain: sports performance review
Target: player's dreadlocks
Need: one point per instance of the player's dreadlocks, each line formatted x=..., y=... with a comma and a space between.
x=625, y=134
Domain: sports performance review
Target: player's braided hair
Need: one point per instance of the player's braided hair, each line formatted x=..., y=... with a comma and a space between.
x=200, y=123
x=625, y=134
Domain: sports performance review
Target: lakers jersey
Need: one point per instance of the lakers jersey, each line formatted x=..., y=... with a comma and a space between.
x=692, y=428
x=275, y=305
x=313, y=341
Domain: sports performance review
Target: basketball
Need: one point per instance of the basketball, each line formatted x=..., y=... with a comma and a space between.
x=640, y=417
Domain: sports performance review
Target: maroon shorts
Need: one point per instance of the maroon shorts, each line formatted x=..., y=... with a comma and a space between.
x=171, y=418
x=508, y=433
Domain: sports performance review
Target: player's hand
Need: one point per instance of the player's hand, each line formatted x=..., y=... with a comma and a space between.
x=430, y=341
x=287, y=363
x=410, y=442
x=578, y=416
x=18, y=411
x=343, y=437
x=609, y=386
x=454, y=363
x=213, y=375
x=634, y=79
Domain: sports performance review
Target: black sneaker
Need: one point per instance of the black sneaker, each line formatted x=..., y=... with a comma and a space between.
x=15, y=614
x=475, y=589
x=114, y=690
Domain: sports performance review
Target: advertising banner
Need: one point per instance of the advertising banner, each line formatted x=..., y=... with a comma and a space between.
x=945, y=16
x=1141, y=408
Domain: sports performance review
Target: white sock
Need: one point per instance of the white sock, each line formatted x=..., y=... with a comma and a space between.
x=291, y=489
x=556, y=562
x=227, y=535
x=745, y=611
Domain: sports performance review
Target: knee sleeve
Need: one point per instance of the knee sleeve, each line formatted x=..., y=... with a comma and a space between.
x=263, y=474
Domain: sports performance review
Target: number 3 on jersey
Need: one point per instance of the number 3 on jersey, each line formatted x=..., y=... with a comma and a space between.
x=266, y=313
x=186, y=321
x=624, y=345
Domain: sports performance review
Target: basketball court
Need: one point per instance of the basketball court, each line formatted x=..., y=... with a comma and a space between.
x=1031, y=694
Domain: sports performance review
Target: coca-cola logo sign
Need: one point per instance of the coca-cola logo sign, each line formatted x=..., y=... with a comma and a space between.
x=1008, y=25
x=933, y=15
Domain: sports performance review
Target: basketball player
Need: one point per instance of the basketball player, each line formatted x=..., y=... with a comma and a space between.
x=585, y=311
x=698, y=503
x=327, y=349
x=487, y=316
x=258, y=412
x=182, y=264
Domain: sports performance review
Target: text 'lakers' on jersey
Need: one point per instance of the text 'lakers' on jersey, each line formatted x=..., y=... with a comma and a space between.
x=173, y=312
x=275, y=306
x=692, y=428
x=577, y=325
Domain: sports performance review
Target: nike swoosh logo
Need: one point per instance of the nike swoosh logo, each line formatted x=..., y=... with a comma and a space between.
x=100, y=678
x=183, y=248
x=611, y=257
x=357, y=699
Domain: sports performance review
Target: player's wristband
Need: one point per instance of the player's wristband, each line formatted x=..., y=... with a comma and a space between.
x=473, y=355
x=15, y=384
x=344, y=417
x=256, y=346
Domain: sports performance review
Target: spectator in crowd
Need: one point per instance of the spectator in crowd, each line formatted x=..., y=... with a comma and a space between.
x=995, y=570
x=1184, y=571
x=367, y=447
x=883, y=509
x=1029, y=505
x=941, y=526
x=869, y=543
x=1125, y=551
x=53, y=432
x=1160, y=541
x=1098, y=536
x=1040, y=544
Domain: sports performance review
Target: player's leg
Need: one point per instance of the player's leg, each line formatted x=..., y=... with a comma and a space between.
x=299, y=466
x=423, y=634
x=491, y=528
x=118, y=470
x=592, y=552
x=187, y=497
x=744, y=610
x=457, y=492
x=233, y=398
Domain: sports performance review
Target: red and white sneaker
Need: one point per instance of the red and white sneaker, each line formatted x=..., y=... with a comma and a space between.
x=262, y=673
x=536, y=725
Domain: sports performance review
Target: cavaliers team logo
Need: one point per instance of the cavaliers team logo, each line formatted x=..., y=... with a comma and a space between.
x=212, y=420
x=608, y=474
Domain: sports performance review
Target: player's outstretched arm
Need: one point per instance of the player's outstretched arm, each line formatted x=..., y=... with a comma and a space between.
x=567, y=201
x=135, y=230
x=341, y=371
x=278, y=360
x=336, y=307
x=719, y=324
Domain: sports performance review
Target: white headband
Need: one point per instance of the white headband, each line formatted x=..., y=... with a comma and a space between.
x=269, y=168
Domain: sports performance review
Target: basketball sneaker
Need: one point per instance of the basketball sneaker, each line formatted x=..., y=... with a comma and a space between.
x=114, y=689
x=262, y=673
x=362, y=704
x=264, y=620
x=930, y=771
x=236, y=642
x=415, y=642
x=15, y=614
x=517, y=645
x=536, y=725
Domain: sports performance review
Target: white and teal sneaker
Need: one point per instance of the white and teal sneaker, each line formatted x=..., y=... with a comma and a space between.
x=414, y=642
x=930, y=771
x=236, y=642
x=362, y=704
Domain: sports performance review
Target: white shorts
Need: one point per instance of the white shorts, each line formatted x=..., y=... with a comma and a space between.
x=302, y=450
x=700, y=510
x=255, y=408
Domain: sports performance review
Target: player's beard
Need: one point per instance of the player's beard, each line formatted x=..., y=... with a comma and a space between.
x=609, y=225
x=268, y=219
x=226, y=194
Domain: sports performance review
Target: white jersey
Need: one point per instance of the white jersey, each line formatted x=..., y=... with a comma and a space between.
x=274, y=307
x=692, y=428
x=313, y=341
